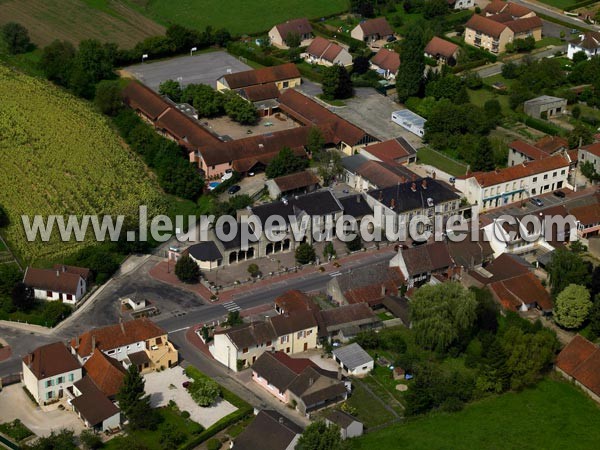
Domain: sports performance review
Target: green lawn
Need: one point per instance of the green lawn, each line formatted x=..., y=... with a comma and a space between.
x=560, y=4
x=552, y=415
x=546, y=41
x=426, y=155
x=370, y=411
x=238, y=16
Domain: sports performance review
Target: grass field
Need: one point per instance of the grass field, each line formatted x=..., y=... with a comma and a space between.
x=61, y=157
x=75, y=20
x=426, y=155
x=560, y=4
x=552, y=415
x=238, y=16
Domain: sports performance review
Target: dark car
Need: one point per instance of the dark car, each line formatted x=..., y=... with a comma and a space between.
x=537, y=202
x=233, y=189
x=391, y=38
x=559, y=194
x=417, y=243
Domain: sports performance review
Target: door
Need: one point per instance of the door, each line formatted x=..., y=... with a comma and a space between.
x=305, y=346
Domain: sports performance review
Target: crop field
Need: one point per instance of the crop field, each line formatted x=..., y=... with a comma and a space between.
x=61, y=157
x=238, y=16
x=75, y=20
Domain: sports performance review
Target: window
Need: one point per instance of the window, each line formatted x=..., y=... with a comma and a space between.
x=60, y=380
x=285, y=339
x=534, y=179
x=69, y=297
x=48, y=293
x=546, y=177
x=49, y=383
x=300, y=335
x=71, y=377
x=49, y=395
x=562, y=172
x=554, y=174
x=245, y=350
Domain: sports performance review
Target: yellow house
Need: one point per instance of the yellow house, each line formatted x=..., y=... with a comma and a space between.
x=492, y=35
x=284, y=76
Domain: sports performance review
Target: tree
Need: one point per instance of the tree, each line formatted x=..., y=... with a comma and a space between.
x=108, y=97
x=233, y=319
x=293, y=40
x=16, y=38
x=93, y=62
x=133, y=402
x=315, y=143
x=594, y=317
x=57, y=61
x=578, y=57
x=90, y=440
x=410, y=74
x=3, y=218
x=435, y=8
x=589, y=171
x=61, y=440
x=182, y=38
x=305, y=253
x=330, y=167
x=473, y=80
x=493, y=110
x=22, y=297
x=171, y=89
x=566, y=268
x=510, y=70
x=355, y=244
x=365, y=8
x=576, y=111
x=221, y=37
x=337, y=83
x=320, y=436
x=484, y=158
x=239, y=109
x=207, y=101
x=253, y=270
x=572, y=306
x=204, y=391
x=441, y=313
x=580, y=135
x=284, y=163
x=360, y=65
x=187, y=270
x=329, y=251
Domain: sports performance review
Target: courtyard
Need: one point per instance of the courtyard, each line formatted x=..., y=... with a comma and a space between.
x=227, y=128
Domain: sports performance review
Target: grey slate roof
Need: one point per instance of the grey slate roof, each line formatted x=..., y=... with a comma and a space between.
x=205, y=251
x=406, y=199
x=320, y=203
x=268, y=431
x=355, y=206
x=352, y=356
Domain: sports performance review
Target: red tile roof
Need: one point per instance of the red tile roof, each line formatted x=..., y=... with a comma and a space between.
x=521, y=171
x=485, y=26
x=295, y=300
x=261, y=76
x=81, y=271
x=54, y=280
x=379, y=26
x=594, y=149
x=299, y=26
x=587, y=215
x=525, y=25
x=107, y=373
x=143, y=99
x=323, y=48
x=528, y=150
x=114, y=336
x=514, y=9
x=580, y=359
x=387, y=60
x=383, y=174
x=296, y=365
x=524, y=289
x=296, y=181
x=185, y=130
x=552, y=144
x=260, y=92
x=391, y=151
x=50, y=360
x=441, y=47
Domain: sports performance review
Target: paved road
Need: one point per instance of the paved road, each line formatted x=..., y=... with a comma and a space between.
x=557, y=14
x=496, y=68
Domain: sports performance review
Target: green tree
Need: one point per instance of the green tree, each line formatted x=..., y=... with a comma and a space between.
x=484, y=159
x=55, y=312
x=441, y=313
x=171, y=89
x=435, y=8
x=93, y=62
x=410, y=74
x=22, y=297
x=253, y=270
x=355, y=244
x=108, y=97
x=207, y=101
x=57, y=61
x=576, y=111
x=234, y=318
x=578, y=57
x=319, y=436
x=316, y=143
x=187, y=270
x=473, y=80
x=493, y=110
x=284, y=163
x=589, y=171
x=329, y=251
x=566, y=268
x=204, y=391
x=182, y=38
x=337, y=83
x=293, y=40
x=580, y=135
x=330, y=166
x=305, y=253
x=594, y=317
x=16, y=38
x=365, y=8
x=90, y=440
x=61, y=440
x=134, y=403
x=360, y=65
x=239, y=109
x=572, y=306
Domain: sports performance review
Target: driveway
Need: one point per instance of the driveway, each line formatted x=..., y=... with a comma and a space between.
x=167, y=385
x=204, y=68
x=15, y=404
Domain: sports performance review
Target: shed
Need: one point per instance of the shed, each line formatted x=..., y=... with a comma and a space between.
x=545, y=105
x=350, y=427
x=353, y=359
x=410, y=121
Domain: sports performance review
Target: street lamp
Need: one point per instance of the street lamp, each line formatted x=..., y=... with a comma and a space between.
x=193, y=49
x=144, y=56
x=228, y=365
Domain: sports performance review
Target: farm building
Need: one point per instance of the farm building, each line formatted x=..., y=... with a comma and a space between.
x=410, y=121
x=349, y=426
x=353, y=360
x=551, y=106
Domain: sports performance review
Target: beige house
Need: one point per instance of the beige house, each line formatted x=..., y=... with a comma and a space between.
x=49, y=371
x=372, y=30
x=302, y=28
x=284, y=76
x=492, y=35
x=326, y=53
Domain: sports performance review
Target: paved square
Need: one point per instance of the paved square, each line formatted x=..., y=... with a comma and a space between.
x=204, y=68
x=168, y=385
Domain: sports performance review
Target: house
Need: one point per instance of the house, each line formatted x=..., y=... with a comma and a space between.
x=345, y=322
x=268, y=431
x=301, y=28
x=336, y=131
x=65, y=283
x=299, y=382
x=353, y=360
x=443, y=51
x=93, y=407
x=240, y=346
x=399, y=307
x=513, y=184
x=48, y=371
x=588, y=42
x=206, y=254
x=363, y=174
x=284, y=76
x=107, y=373
x=386, y=63
x=590, y=154
x=520, y=151
x=410, y=121
x=579, y=362
x=326, y=53
x=372, y=30
x=140, y=342
x=368, y=285
x=417, y=264
x=514, y=10
x=461, y=4
x=511, y=283
x=586, y=211
x=349, y=426
x=545, y=106
x=393, y=151
x=263, y=97
x=294, y=301
x=296, y=183
x=426, y=197
x=494, y=32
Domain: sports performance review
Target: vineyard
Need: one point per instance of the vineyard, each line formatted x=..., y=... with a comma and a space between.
x=58, y=156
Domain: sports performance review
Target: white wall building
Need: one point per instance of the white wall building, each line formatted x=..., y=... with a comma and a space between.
x=588, y=42
x=65, y=283
x=410, y=121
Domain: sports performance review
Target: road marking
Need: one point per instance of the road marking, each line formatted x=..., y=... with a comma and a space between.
x=180, y=329
x=231, y=306
x=335, y=274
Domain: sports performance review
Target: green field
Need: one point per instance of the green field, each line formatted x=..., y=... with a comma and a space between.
x=238, y=16
x=426, y=155
x=552, y=415
x=61, y=157
x=560, y=4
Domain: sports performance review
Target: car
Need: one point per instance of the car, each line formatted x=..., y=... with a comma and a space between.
x=391, y=38
x=233, y=189
x=559, y=194
x=537, y=202
x=251, y=174
x=227, y=176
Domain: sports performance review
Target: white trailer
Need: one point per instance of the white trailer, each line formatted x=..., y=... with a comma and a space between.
x=410, y=121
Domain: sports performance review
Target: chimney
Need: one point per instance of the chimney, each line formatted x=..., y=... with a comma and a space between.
x=413, y=187
x=424, y=183
x=122, y=326
x=280, y=420
x=93, y=342
x=311, y=381
x=393, y=203
x=57, y=273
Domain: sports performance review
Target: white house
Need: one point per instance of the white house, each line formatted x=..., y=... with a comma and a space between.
x=326, y=53
x=386, y=63
x=588, y=42
x=93, y=407
x=48, y=371
x=353, y=360
x=461, y=4
x=489, y=190
x=349, y=426
x=65, y=283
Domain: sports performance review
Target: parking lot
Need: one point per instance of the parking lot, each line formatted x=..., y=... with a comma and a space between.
x=204, y=68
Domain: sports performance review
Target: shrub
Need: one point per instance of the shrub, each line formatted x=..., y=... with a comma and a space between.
x=204, y=391
x=213, y=444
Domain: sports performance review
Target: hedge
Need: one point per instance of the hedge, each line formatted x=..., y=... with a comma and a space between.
x=542, y=126
x=319, y=27
x=580, y=5
x=469, y=65
x=243, y=410
x=237, y=49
